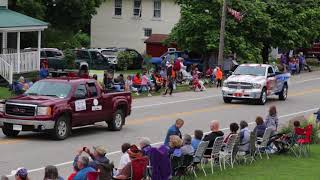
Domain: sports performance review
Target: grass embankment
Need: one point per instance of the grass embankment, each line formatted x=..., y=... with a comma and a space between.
x=279, y=167
x=5, y=93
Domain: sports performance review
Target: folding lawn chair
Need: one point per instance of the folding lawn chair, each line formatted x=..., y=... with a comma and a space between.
x=198, y=156
x=227, y=154
x=252, y=152
x=216, y=148
x=262, y=143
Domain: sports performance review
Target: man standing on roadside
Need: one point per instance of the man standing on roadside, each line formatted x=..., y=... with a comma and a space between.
x=174, y=130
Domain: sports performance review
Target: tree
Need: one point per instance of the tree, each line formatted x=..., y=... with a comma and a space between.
x=287, y=24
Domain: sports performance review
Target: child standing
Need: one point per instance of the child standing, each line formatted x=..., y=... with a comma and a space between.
x=145, y=83
x=219, y=76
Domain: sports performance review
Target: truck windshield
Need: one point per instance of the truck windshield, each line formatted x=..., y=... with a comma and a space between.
x=250, y=70
x=55, y=89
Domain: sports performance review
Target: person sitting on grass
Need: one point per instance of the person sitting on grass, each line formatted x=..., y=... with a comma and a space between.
x=234, y=127
x=215, y=132
x=137, y=82
x=198, y=134
x=145, y=84
x=187, y=148
x=260, y=128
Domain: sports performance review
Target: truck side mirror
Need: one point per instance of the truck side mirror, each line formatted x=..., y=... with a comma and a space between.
x=80, y=95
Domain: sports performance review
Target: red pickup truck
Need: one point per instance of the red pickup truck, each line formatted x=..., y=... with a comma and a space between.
x=56, y=105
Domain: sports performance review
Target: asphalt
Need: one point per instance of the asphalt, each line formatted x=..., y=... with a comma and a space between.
x=150, y=118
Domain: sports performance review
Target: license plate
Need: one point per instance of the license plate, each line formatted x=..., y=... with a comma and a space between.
x=17, y=127
x=237, y=94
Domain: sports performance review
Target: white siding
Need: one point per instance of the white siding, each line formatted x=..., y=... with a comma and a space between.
x=108, y=30
x=4, y=3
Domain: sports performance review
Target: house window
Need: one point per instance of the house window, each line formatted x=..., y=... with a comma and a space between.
x=117, y=7
x=157, y=8
x=147, y=32
x=137, y=8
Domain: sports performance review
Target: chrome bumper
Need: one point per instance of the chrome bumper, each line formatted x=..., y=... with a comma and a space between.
x=49, y=124
x=241, y=93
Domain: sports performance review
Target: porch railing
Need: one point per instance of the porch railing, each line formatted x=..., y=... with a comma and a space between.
x=7, y=51
x=6, y=70
x=29, y=61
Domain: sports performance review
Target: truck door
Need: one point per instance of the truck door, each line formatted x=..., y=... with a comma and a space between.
x=271, y=81
x=95, y=101
x=80, y=105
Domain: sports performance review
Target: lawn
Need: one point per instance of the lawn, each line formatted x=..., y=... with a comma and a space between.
x=4, y=93
x=279, y=167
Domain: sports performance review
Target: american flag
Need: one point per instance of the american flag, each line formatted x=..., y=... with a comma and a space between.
x=236, y=14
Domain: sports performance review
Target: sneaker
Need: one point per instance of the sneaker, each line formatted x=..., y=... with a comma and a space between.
x=149, y=95
x=137, y=94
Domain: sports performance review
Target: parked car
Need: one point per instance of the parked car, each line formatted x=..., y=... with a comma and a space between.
x=93, y=57
x=112, y=55
x=189, y=58
x=56, y=105
x=255, y=82
x=53, y=56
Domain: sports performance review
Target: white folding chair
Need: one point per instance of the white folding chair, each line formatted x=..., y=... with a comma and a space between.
x=198, y=156
x=216, y=148
x=262, y=143
x=227, y=155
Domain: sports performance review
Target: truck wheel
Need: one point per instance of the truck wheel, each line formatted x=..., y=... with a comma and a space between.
x=263, y=97
x=284, y=93
x=117, y=121
x=9, y=132
x=62, y=128
x=227, y=100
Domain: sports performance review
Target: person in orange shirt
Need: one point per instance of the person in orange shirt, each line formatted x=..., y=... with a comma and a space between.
x=219, y=77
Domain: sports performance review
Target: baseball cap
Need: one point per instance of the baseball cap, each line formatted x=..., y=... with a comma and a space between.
x=100, y=150
x=21, y=172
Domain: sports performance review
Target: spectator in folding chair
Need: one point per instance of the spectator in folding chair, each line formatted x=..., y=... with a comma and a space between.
x=136, y=169
x=272, y=119
x=160, y=165
x=234, y=127
x=187, y=148
x=84, y=168
x=198, y=134
x=51, y=173
x=260, y=128
x=125, y=159
x=215, y=132
x=244, y=137
x=145, y=145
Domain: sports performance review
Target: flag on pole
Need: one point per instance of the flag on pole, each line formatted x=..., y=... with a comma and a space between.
x=236, y=14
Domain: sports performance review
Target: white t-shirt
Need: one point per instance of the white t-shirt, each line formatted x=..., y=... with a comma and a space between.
x=124, y=160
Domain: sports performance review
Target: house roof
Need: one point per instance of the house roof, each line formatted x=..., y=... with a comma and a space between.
x=156, y=38
x=11, y=20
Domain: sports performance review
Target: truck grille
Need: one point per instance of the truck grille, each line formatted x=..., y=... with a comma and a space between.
x=241, y=85
x=20, y=110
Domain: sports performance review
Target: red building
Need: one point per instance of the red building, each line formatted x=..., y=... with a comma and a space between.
x=155, y=45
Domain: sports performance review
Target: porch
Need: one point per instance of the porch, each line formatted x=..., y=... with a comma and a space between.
x=15, y=60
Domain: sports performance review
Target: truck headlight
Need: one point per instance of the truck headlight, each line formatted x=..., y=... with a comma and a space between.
x=256, y=86
x=44, y=111
x=2, y=107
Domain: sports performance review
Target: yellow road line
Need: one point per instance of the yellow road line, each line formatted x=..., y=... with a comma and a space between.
x=11, y=141
x=304, y=92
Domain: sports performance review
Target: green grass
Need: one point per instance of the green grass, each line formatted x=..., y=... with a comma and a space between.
x=180, y=88
x=5, y=93
x=279, y=167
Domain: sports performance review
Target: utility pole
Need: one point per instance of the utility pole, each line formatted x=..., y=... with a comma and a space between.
x=222, y=32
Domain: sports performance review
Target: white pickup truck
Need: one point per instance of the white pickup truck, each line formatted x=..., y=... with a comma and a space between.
x=255, y=82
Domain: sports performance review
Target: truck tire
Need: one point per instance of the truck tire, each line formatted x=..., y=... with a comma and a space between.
x=62, y=128
x=284, y=93
x=263, y=98
x=227, y=100
x=117, y=121
x=9, y=132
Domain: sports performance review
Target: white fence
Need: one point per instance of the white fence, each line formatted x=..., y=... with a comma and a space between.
x=29, y=61
x=6, y=70
x=9, y=64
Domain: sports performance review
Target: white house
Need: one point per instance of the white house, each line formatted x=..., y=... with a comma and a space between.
x=12, y=59
x=128, y=23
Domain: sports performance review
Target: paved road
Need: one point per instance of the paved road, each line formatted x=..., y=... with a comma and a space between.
x=151, y=117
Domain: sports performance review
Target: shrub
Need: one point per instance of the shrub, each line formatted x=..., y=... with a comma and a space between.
x=125, y=59
x=69, y=57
